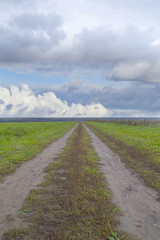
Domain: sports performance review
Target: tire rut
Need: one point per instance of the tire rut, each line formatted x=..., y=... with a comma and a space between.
x=141, y=210
x=16, y=187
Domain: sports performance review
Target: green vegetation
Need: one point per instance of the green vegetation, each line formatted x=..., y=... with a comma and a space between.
x=21, y=141
x=73, y=203
x=114, y=236
x=141, y=136
x=137, y=144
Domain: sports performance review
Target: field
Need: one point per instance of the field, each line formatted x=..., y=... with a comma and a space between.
x=85, y=192
x=137, y=143
x=21, y=141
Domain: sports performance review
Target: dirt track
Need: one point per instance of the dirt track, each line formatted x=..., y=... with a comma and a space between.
x=141, y=210
x=17, y=186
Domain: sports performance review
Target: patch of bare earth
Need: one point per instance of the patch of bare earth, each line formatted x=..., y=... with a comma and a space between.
x=141, y=210
x=16, y=187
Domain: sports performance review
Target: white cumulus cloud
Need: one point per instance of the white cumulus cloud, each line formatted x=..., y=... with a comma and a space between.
x=22, y=102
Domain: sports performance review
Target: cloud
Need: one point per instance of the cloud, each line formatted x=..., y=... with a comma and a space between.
x=23, y=102
x=127, y=56
x=136, y=71
x=129, y=71
x=30, y=39
x=80, y=100
x=77, y=38
x=38, y=43
x=134, y=99
x=39, y=22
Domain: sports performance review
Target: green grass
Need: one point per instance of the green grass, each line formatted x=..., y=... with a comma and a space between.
x=73, y=203
x=138, y=146
x=141, y=136
x=21, y=141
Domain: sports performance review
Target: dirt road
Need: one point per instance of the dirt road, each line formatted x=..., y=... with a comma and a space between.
x=17, y=186
x=141, y=210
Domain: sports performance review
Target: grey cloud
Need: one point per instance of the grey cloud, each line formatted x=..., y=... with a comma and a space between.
x=1, y=102
x=145, y=71
x=140, y=97
x=128, y=55
x=109, y=46
x=37, y=42
x=143, y=7
x=8, y=107
x=37, y=21
x=31, y=40
x=73, y=86
x=137, y=96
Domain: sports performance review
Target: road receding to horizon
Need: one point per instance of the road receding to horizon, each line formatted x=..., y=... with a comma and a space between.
x=140, y=209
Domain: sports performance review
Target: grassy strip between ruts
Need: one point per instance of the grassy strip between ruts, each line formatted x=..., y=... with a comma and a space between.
x=129, y=143
x=21, y=141
x=73, y=203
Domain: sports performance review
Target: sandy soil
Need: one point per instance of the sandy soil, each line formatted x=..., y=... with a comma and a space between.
x=16, y=187
x=141, y=210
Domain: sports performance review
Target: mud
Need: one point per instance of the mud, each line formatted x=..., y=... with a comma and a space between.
x=141, y=210
x=16, y=187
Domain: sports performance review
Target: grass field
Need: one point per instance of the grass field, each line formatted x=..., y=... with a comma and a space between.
x=21, y=141
x=138, y=145
x=141, y=136
x=73, y=203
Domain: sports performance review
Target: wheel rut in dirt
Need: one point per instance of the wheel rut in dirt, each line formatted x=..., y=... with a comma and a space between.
x=16, y=187
x=141, y=210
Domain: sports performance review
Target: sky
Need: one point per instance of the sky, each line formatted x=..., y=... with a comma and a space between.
x=83, y=58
